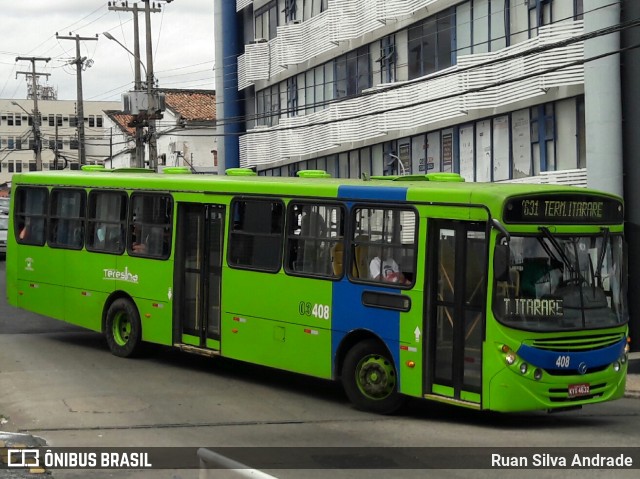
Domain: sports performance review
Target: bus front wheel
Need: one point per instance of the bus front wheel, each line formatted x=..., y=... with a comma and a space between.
x=369, y=378
x=123, y=329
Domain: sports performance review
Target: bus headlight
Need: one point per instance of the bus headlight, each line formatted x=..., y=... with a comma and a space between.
x=537, y=374
x=616, y=366
x=623, y=358
x=524, y=367
x=510, y=358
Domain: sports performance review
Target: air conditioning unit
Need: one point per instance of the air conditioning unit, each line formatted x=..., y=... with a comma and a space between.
x=258, y=40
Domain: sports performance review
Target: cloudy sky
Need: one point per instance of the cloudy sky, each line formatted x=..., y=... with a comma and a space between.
x=182, y=36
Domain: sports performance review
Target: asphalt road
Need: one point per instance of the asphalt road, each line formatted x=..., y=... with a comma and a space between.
x=61, y=383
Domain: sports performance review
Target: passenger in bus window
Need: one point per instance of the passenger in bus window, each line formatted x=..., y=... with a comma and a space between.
x=387, y=270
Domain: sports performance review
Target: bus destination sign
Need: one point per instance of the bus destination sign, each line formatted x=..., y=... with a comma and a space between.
x=563, y=209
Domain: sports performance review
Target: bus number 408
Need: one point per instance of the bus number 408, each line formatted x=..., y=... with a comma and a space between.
x=563, y=361
x=320, y=311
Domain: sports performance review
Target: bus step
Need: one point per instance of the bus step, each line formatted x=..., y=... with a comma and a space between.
x=449, y=400
x=188, y=348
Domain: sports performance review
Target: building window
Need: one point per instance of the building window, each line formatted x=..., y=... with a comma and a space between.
x=11, y=143
x=73, y=144
x=18, y=143
x=387, y=59
x=92, y=121
x=99, y=121
x=353, y=72
x=314, y=240
x=52, y=120
x=59, y=120
x=314, y=7
x=73, y=121
x=266, y=21
x=290, y=10
x=268, y=106
x=539, y=15
x=292, y=96
x=10, y=119
x=66, y=218
x=255, y=240
x=430, y=45
x=18, y=120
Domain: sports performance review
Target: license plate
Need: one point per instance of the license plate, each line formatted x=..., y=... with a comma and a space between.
x=578, y=390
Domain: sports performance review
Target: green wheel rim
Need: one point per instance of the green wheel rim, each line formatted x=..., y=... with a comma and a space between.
x=121, y=329
x=375, y=377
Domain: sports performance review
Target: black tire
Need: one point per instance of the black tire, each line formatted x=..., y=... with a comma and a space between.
x=370, y=380
x=123, y=329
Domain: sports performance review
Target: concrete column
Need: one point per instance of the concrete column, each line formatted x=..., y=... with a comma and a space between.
x=229, y=107
x=603, y=107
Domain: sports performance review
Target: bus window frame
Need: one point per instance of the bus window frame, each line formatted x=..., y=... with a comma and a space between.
x=289, y=236
x=94, y=220
x=231, y=232
x=51, y=218
x=352, y=244
x=18, y=212
x=167, y=227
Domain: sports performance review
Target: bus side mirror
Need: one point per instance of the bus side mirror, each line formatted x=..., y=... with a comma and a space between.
x=501, y=262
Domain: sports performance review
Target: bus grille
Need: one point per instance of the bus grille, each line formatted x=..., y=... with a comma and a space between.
x=582, y=343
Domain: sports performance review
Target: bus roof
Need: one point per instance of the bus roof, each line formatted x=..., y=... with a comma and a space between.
x=413, y=189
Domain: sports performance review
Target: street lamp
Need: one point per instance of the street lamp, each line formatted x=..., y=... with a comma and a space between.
x=111, y=37
x=35, y=125
x=397, y=158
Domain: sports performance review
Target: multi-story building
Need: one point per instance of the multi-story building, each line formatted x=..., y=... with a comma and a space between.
x=496, y=90
x=57, y=126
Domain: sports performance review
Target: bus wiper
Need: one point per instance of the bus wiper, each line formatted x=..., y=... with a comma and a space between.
x=605, y=242
x=558, y=248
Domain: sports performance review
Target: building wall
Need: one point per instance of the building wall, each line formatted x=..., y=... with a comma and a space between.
x=191, y=145
x=57, y=130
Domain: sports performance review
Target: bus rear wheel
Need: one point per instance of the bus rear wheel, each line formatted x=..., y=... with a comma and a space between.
x=123, y=329
x=369, y=378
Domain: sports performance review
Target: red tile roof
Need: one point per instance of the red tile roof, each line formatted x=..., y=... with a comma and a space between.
x=192, y=105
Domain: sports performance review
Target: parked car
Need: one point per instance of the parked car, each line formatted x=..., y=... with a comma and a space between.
x=4, y=225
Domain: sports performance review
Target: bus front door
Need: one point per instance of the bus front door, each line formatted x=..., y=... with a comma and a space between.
x=197, y=280
x=455, y=317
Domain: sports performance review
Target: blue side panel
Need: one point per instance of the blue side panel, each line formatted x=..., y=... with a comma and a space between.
x=372, y=193
x=576, y=362
x=348, y=312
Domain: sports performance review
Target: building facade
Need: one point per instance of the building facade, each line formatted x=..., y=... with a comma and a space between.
x=58, y=127
x=491, y=89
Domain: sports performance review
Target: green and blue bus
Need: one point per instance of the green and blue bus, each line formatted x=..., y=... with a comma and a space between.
x=502, y=297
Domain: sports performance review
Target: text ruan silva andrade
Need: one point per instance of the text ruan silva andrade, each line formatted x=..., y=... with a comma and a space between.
x=571, y=460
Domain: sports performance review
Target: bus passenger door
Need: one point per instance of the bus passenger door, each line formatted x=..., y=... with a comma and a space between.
x=455, y=315
x=197, y=277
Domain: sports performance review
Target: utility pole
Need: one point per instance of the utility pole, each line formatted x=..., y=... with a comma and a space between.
x=36, y=113
x=79, y=62
x=138, y=77
x=153, y=146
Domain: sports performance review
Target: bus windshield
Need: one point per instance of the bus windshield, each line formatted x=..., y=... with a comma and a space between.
x=559, y=282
